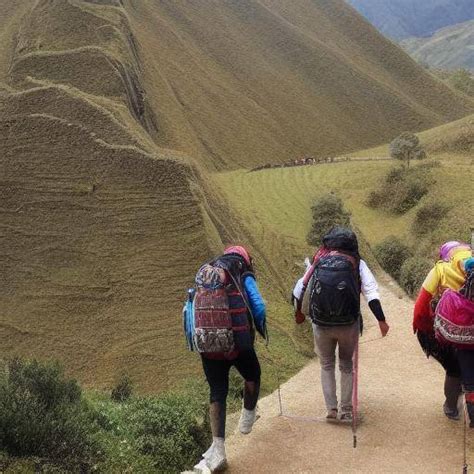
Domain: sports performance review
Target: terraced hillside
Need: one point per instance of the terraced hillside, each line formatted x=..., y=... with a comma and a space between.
x=112, y=114
x=96, y=220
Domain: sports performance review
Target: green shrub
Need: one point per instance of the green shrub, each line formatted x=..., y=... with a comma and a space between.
x=428, y=217
x=123, y=390
x=173, y=430
x=42, y=414
x=413, y=273
x=328, y=211
x=402, y=189
x=391, y=254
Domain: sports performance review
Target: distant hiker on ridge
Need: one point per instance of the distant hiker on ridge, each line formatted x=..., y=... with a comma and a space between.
x=448, y=275
x=221, y=316
x=329, y=293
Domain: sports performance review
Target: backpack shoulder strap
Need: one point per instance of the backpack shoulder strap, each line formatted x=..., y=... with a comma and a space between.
x=468, y=288
x=355, y=262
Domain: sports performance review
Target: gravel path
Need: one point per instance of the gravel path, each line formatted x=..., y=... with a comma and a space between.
x=403, y=428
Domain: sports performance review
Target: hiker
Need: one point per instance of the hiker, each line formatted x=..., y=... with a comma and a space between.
x=329, y=293
x=454, y=326
x=228, y=308
x=448, y=273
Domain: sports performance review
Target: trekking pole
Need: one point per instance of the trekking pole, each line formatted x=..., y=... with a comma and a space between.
x=277, y=372
x=279, y=394
x=355, y=394
x=465, y=466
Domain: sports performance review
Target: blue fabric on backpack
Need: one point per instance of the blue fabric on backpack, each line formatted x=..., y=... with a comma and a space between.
x=257, y=305
x=188, y=319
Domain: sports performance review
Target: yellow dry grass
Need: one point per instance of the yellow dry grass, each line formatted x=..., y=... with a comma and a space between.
x=112, y=114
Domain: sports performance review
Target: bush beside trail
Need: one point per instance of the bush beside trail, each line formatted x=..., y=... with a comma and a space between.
x=402, y=188
x=428, y=217
x=328, y=211
x=43, y=414
x=391, y=254
x=413, y=273
x=400, y=261
x=47, y=424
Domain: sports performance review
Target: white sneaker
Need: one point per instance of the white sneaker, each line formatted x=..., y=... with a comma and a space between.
x=247, y=419
x=202, y=468
x=217, y=460
x=214, y=459
x=208, y=453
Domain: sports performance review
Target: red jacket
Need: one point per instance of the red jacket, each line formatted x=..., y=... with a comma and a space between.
x=423, y=316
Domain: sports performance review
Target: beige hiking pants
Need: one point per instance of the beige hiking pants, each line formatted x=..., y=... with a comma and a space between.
x=326, y=341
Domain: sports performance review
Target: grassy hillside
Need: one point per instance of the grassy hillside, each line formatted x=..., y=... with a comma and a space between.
x=452, y=139
x=448, y=48
x=97, y=220
x=270, y=83
x=275, y=205
x=113, y=112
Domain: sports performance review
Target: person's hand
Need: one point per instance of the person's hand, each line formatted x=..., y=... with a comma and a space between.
x=300, y=318
x=384, y=328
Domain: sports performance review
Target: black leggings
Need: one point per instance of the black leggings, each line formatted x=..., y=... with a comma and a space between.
x=217, y=375
x=466, y=362
x=444, y=354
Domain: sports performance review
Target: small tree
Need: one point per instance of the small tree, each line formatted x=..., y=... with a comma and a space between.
x=407, y=147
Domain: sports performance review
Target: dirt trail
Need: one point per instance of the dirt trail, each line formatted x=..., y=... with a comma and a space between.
x=403, y=428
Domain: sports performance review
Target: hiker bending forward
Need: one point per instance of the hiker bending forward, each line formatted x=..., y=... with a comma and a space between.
x=329, y=293
x=226, y=288
x=448, y=273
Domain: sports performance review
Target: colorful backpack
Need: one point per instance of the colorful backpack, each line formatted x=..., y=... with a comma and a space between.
x=335, y=290
x=216, y=315
x=454, y=317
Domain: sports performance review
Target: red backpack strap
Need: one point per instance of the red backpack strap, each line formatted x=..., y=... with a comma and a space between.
x=353, y=260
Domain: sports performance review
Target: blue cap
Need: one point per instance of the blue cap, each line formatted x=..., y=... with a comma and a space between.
x=469, y=265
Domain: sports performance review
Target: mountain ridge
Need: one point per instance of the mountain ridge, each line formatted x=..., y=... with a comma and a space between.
x=451, y=47
x=400, y=19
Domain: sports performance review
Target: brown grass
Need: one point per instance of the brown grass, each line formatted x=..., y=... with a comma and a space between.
x=111, y=114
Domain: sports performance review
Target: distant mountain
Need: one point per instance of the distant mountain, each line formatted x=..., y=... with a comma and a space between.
x=400, y=19
x=449, y=48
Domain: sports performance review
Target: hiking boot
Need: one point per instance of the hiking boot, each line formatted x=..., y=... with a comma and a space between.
x=331, y=417
x=470, y=412
x=452, y=414
x=452, y=392
x=247, y=419
x=346, y=417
